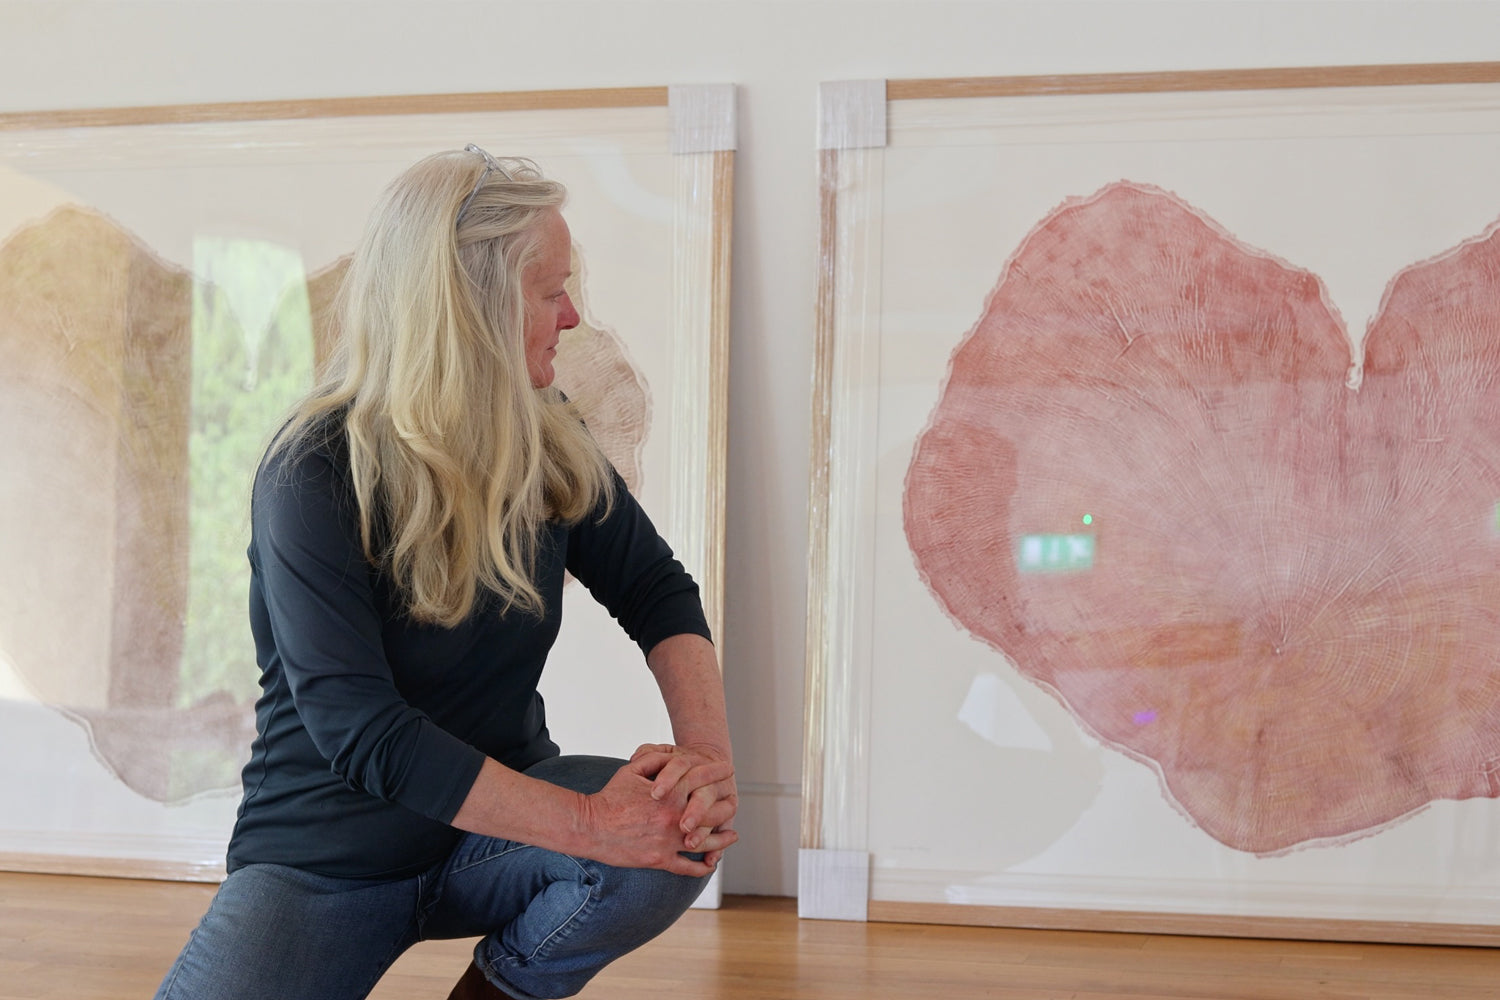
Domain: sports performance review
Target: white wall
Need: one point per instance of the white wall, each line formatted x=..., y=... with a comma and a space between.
x=98, y=53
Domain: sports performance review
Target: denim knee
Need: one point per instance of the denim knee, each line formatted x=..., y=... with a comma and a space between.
x=585, y=919
x=550, y=922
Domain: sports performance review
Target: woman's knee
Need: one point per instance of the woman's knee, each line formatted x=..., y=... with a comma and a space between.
x=660, y=897
x=575, y=928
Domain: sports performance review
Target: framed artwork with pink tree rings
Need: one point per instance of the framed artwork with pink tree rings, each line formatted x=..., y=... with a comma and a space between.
x=1156, y=504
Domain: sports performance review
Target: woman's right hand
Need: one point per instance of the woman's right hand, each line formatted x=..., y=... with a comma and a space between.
x=623, y=825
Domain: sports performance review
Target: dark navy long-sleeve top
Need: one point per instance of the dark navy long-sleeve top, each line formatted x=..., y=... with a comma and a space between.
x=371, y=728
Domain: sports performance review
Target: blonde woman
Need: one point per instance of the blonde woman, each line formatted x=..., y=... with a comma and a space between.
x=411, y=528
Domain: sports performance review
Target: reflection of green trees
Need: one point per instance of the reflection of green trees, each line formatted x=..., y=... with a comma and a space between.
x=252, y=358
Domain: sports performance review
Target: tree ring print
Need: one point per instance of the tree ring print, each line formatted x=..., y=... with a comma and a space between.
x=139, y=396
x=1236, y=545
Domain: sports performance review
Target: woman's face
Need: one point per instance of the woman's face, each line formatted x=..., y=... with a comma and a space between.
x=549, y=310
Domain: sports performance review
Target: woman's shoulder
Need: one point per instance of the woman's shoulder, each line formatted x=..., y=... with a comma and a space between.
x=311, y=455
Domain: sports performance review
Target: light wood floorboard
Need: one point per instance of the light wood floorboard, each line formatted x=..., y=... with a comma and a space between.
x=103, y=939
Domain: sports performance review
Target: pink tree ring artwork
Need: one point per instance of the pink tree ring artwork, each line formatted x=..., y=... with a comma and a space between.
x=1238, y=543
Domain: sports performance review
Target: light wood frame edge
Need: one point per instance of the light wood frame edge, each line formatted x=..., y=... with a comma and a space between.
x=814, y=742
x=1188, y=924
x=339, y=107
x=718, y=391
x=1410, y=74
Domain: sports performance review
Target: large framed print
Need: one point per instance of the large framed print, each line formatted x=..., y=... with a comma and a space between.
x=1155, y=507
x=167, y=275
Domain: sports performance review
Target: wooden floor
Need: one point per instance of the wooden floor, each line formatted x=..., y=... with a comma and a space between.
x=91, y=939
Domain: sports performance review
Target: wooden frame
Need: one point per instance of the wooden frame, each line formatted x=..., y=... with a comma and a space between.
x=881, y=142
x=650, y=174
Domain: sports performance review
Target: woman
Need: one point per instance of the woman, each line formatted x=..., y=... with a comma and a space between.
x=411, y=529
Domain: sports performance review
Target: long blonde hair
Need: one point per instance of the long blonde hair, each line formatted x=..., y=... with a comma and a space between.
x=457, y=461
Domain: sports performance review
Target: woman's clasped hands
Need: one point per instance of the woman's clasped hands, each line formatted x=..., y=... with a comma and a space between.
x=664, y=808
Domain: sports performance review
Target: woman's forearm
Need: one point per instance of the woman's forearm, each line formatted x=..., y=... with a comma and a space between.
x=686, y=668
x=505, y=803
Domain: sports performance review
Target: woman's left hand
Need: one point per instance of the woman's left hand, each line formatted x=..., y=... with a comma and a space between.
x=695, y=777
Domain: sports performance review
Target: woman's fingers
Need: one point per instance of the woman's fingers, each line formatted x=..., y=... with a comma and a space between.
x=703, y=786
x=630, y=827
x=685, y=775
x=712, y=806
x=706, y=841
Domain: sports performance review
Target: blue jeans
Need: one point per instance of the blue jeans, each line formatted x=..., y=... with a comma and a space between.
x=548, y=922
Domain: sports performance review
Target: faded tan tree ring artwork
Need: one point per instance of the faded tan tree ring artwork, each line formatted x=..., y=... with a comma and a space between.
x=1253, y=549
x=167, y=277
x=123, y=378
